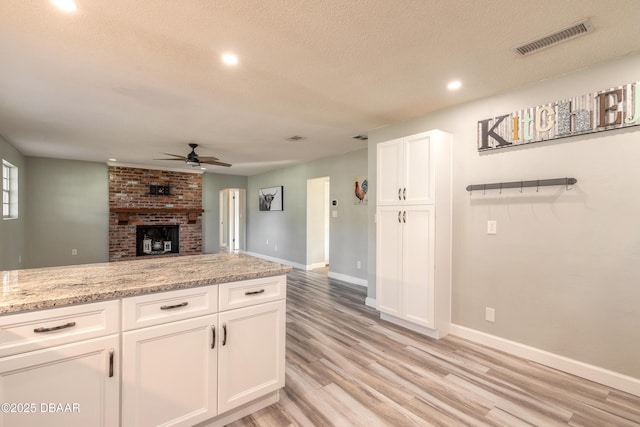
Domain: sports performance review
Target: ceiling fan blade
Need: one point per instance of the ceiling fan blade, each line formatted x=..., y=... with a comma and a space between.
x=175, y=155
x=208, y=158
x=216, y=163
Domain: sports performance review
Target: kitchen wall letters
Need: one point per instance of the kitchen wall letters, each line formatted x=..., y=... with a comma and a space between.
x=595, y=112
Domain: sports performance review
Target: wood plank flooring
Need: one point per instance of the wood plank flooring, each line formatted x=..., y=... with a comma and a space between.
x=346, y=367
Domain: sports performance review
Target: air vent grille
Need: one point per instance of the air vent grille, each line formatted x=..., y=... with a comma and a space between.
x=579, y=29
x=295, y=138
x=361, y=137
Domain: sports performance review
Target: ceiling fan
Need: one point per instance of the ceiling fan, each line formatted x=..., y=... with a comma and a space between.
x=195, y=160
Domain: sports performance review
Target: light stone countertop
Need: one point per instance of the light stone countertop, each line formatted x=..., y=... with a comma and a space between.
x=40, y=288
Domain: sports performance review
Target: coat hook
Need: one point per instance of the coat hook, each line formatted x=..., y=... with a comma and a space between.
x=500, y=188
x=538, y=186
x=566, y=183
x=521, y=185
x=484, y=189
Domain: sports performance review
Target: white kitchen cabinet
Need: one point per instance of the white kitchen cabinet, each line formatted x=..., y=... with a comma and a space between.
x=413, y=235
x=210, y=368
x=251, y=353
x=61, y=365
x=405, y=170
x=169, y=373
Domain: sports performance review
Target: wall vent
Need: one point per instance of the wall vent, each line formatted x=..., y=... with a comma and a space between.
x=575, y=30
x=361, y=137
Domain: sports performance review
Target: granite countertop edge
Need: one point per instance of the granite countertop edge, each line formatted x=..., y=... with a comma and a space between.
x=57, y=293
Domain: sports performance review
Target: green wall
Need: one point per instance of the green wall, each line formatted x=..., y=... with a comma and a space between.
x=287, y=230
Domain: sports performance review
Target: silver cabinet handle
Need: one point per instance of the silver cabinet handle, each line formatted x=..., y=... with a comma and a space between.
x=261, y=291
x=224, y=334
x=213, y=337
x=169, y=307
x=54, y=328
x=404, y=216
x=111, y=352
x=399, y=216
x=399, y=192
x=404, y=193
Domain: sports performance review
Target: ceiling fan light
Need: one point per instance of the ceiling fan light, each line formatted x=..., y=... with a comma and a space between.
x=193, y=163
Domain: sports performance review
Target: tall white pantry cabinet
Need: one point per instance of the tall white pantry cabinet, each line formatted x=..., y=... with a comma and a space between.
x=413, y=232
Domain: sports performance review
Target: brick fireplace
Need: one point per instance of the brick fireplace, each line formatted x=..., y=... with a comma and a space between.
x=147, y=197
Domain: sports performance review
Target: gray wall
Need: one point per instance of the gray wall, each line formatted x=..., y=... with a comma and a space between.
x=211, y=185
x=287, y=229
x=67, y=208
x=563, y=272
x=12, y=242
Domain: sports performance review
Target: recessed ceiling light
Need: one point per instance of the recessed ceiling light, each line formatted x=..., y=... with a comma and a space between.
x=454, y=85
x=65, y=5
x=230, y=59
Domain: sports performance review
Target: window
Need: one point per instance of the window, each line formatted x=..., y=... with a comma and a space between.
x=9, y=190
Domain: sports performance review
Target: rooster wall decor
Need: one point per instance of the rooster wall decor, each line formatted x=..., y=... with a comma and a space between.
x=360, y=191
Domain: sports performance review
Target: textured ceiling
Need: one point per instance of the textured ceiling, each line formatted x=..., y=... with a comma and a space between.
x=131, y=79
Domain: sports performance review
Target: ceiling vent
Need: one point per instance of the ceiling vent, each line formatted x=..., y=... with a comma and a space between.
x=575, y=30
x=361, y=137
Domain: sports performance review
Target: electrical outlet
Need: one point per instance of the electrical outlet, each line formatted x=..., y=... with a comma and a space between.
x=358, y=265
x=490, y=314
x=74, y=252
x=267, y=241
x=275, y=248
x=492, y=227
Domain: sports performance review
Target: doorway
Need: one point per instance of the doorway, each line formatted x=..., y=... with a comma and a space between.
x=318, y=211
x=232, y=220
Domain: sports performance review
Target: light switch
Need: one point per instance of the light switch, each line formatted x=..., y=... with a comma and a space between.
x=492, y=227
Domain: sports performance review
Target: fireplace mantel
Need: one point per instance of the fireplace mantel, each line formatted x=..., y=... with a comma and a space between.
x=123, y=213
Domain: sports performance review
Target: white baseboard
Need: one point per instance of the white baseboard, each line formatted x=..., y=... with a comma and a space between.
x=348, y=279
x=584, y=370
x=278, y=260
x=337, y=276
x=370, y=302
x=315, y=265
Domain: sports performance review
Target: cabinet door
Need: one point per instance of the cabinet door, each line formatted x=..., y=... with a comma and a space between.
x=68, y=385
x=389, y=259
x=251, y=353
x=419, y=170
x=390, y=180
x=169, y=373
x=418, y=265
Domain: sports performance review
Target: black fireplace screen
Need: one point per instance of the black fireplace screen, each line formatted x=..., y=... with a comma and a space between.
x=157, y=239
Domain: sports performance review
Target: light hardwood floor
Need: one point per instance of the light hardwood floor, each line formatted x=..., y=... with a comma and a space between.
x=346, y=367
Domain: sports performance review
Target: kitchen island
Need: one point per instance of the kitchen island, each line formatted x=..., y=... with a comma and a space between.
x=176, y=341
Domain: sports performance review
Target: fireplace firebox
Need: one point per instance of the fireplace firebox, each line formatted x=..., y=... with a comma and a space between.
x=157, y=239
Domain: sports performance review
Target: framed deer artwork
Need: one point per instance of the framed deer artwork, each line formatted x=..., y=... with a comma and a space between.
x=270, y=199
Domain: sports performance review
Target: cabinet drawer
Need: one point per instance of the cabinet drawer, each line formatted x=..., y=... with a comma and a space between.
x=250, y=292
x=36, y=330
x=163, y=307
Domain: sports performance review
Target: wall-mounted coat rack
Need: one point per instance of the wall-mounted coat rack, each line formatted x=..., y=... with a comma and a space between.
x=522, y=184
